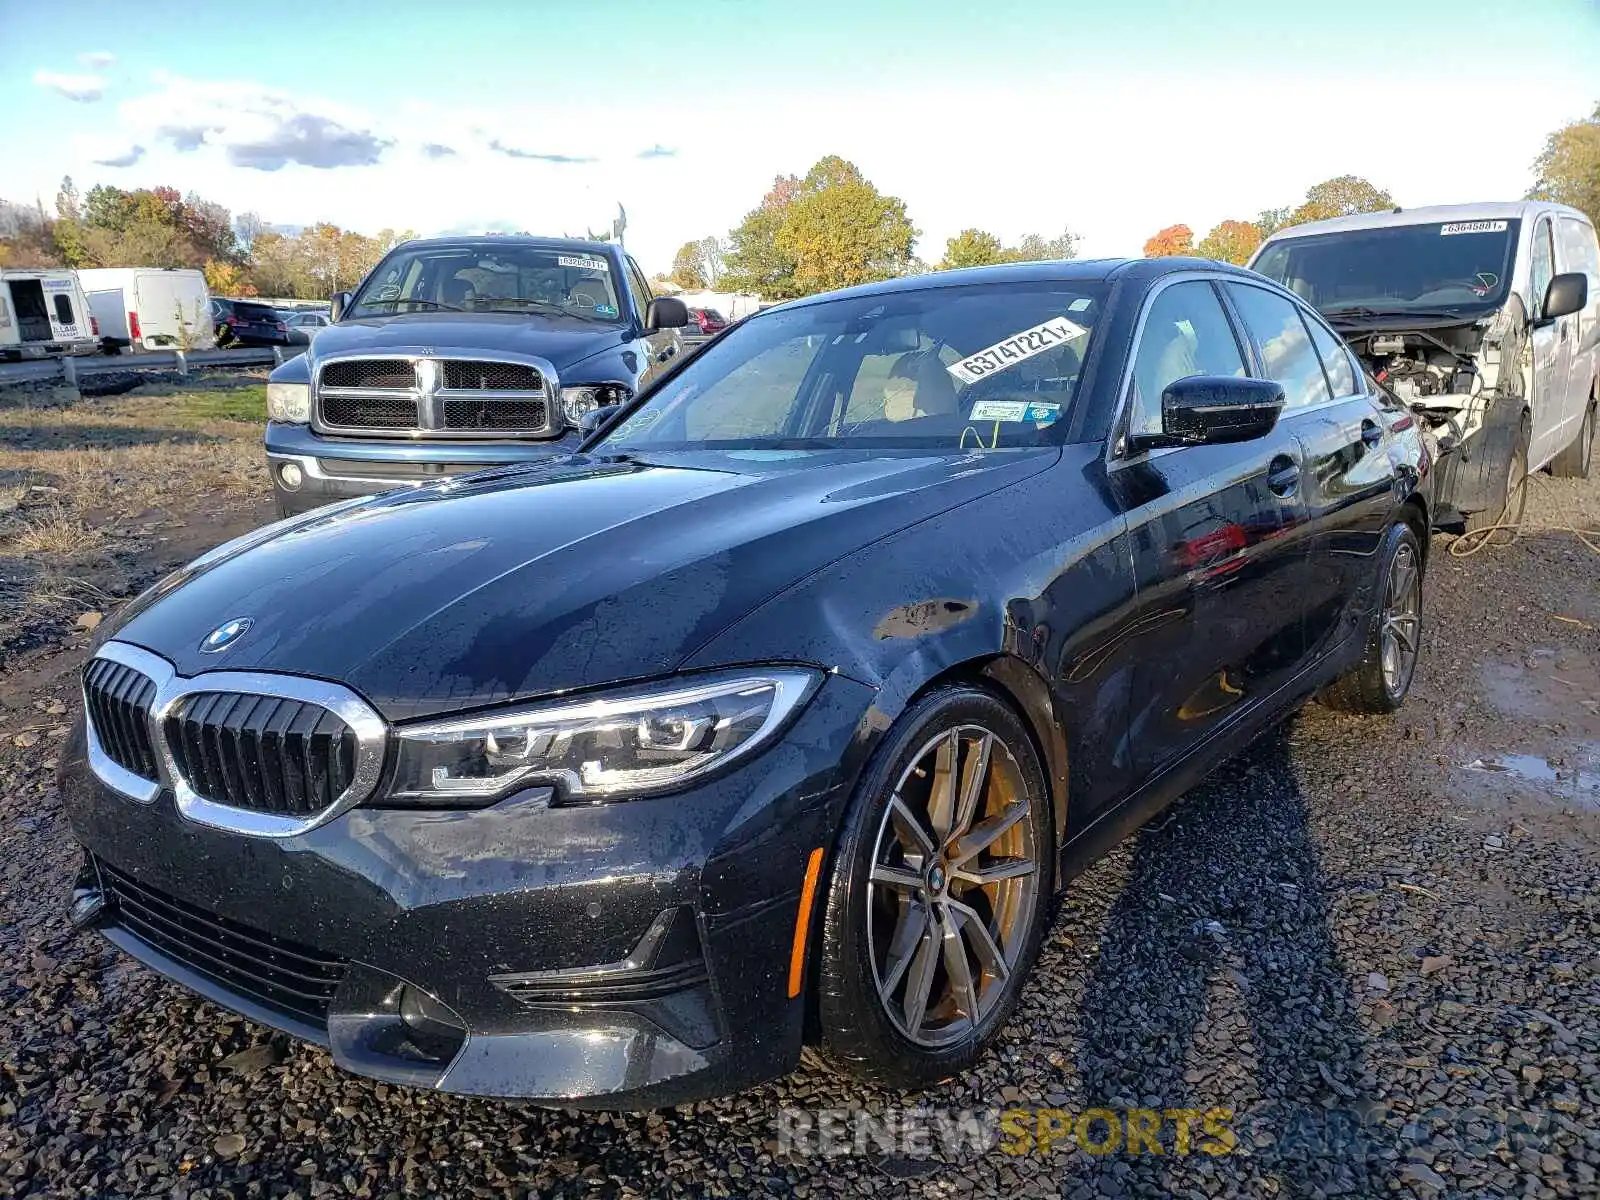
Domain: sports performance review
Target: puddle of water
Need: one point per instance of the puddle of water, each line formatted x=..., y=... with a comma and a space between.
x=1576, y=784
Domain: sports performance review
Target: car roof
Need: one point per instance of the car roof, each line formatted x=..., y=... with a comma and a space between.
x=503, y=240
x=1064, y=270
x=1497, y=210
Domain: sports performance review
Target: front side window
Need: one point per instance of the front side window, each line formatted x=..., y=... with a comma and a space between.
x=1541, y=267
x=1286, y=350
x=1397, y=269
x=945, y=367
x=1186, y=332
x=1335, y=358
x=492, y=278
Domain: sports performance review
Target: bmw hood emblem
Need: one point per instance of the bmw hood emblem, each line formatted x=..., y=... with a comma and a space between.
x=225, y=635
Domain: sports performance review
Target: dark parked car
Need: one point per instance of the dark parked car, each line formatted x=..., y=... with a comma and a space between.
x=778, y=711
x=245, y=323
x=706, y=321
x=456, y=354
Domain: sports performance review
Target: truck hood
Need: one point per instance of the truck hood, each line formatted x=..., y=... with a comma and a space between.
x=537, y=579
x=563, y=341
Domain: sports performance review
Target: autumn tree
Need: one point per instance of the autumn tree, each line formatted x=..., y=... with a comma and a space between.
x=686, y=270
x=1270, y=220
x=831, y=229
x=1174, y=239
x=1568, y=168
x=1344, y=196
x=1231, y=242
x=1036, y=247
x=972, y=248
x=711, y=256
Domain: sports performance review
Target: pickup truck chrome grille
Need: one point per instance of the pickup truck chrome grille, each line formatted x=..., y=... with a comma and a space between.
x=444, y=397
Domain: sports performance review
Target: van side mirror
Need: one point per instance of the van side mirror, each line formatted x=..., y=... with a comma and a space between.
x=1205, y=410
x=1568, y=293
x=340, y=301
x=665, y=313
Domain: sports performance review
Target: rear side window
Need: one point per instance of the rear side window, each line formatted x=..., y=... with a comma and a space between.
x=1579, y=253
x=1186, y=332
x=1335, y=359
x=1286, y=349
x=63, y=310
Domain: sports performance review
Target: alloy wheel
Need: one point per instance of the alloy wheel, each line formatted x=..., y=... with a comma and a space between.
x=1402, y=620
x=954, y=884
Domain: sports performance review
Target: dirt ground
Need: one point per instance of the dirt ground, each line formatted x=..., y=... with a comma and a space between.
x=1373, y=942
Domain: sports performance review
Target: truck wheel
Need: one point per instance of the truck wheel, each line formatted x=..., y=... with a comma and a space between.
x=1576, y=460
x=1380, y=681
x=1508, y=495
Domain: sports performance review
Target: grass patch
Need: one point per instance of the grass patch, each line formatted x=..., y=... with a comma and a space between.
x=245, y=404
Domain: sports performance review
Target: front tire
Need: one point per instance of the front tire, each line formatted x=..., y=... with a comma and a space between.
x=939, y=893
x=1380, y=682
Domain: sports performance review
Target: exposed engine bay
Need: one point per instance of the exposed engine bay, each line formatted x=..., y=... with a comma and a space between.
x=1448, y=376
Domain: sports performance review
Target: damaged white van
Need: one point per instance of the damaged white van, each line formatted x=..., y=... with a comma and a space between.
x=44, y=313
x=1484, y=319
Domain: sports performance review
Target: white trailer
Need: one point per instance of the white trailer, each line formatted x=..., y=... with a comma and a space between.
x=44, y=313
x=151, y=308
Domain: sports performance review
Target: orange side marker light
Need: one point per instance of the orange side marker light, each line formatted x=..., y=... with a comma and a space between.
x=802, y=922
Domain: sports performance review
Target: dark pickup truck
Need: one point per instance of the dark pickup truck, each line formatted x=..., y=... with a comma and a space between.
x=457, y=354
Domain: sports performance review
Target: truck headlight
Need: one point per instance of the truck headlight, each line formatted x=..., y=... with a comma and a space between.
x=631, y=742
x=575, y=401
x=289, y=402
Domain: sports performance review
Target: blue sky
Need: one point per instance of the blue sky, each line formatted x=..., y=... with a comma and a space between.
x=1109, y=119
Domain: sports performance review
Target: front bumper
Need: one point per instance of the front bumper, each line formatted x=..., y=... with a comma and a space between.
x=337, y=468
x=622, y=955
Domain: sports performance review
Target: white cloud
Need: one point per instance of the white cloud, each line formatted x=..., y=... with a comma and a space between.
x=97, y=60
x=125, y=158
x=85, y=89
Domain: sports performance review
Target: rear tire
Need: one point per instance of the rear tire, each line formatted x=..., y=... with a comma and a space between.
x=1380, y=682
x=1576, y=461
x=909, y=907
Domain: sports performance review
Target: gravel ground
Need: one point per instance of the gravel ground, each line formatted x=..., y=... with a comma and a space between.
x=1372, y=940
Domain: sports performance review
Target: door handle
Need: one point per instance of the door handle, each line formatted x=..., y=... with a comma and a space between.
x=1563, y=331
x=1283, y=476
x=1370, y=433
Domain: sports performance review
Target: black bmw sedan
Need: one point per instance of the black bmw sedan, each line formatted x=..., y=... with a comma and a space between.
x=776, y=714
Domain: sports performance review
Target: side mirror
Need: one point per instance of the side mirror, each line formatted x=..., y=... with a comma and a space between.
x=596, y=417
x=666, y=313
x=1207, y=410
x=340, y=301
x=1568, y=293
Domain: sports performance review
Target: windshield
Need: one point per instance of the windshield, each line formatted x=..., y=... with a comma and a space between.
x=1463, y=265
x=471, y=278
x=940, y=367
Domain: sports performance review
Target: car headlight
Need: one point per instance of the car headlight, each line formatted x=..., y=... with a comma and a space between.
x=575, y=401
x=289, y=402
x=626, y=743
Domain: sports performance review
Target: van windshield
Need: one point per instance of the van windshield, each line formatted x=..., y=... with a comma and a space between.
x=1460, y=266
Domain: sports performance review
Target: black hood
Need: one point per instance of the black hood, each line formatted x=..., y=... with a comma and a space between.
x=562, y=340
x=531, y=580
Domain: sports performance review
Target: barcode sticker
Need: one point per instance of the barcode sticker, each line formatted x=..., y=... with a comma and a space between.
x=1472, y=227
x=583, y=263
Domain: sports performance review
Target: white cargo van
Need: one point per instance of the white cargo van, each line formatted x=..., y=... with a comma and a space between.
x=1484, y=319
x=151, y=308
x=44, y=313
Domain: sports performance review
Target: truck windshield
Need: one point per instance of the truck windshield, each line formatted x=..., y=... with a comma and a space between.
x=468, y=278
x=1457, y=265
x=940, y=367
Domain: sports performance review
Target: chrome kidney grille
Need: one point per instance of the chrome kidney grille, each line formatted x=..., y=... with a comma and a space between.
x=262, y=753
x=444, y=397
x=251, y=752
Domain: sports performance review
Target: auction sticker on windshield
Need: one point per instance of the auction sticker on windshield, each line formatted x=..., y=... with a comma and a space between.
x=582, y=262
x=1472, y=227
x=1016, y=348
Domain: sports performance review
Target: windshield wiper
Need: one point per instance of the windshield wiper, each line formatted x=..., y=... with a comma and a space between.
x=1363, y=313
x=496, y=305
x=408, y=300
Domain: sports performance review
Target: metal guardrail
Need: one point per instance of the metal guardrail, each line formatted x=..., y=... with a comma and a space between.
x=70, y=369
